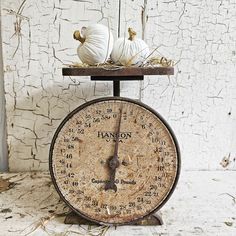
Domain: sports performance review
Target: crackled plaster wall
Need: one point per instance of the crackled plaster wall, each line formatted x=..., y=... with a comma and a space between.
x=199, y=101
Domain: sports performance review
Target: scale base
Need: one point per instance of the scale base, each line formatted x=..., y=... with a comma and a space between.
x=73, y=218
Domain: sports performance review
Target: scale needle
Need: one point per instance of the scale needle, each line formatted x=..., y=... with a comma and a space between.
x=114, y=161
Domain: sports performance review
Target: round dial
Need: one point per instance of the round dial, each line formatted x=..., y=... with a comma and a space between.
x=114, y=160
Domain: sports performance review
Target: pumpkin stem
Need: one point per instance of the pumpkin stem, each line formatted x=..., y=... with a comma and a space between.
x=132, y=34
x=77, y=36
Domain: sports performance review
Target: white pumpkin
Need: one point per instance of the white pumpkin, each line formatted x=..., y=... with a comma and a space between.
x=96, y=44
x=129, y=51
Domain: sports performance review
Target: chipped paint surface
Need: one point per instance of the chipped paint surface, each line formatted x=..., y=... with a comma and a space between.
x=32, y=207
x=199, y=101
x=37, y=40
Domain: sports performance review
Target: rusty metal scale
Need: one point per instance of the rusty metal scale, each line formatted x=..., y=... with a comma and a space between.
x=114, y=160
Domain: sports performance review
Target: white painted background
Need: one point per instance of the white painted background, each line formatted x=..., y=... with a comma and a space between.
x=199, y=101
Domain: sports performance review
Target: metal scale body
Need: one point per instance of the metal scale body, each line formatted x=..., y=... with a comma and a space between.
x=114, y=160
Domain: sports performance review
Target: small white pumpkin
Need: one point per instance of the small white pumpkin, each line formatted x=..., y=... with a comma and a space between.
x=96, y=44
x=129, y=51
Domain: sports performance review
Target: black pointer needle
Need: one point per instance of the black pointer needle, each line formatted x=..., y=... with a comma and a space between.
x=114, y=161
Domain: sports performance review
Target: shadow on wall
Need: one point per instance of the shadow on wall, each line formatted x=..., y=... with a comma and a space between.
x=33, y=120
x=3, y=133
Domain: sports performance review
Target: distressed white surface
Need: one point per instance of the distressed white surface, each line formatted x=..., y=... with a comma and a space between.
x=37, y=95
x=199, y=101
x=201, y=205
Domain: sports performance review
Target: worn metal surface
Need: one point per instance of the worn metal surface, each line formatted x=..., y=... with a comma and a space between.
x=116, y=88
x=153, y=220
x=149, y=160
x=117, y=78
x=73, y=218
x=130, y=71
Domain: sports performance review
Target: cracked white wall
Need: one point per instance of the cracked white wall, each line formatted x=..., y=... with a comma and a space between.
x=34, y=50
x=199, y=101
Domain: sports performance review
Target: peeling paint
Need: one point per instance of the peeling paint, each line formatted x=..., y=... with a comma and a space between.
x=198, y=101
x=37, y=42
x=33, y=207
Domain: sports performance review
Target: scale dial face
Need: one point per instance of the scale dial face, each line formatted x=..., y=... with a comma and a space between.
x=114, y=160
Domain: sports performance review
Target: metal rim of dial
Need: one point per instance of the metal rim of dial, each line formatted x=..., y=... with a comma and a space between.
x=95, y=101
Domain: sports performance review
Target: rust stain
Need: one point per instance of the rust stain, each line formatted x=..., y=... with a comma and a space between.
x=5, y=185
x=225, y=161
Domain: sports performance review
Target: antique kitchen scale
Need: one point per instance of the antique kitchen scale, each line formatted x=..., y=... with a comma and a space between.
x=114, y=160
